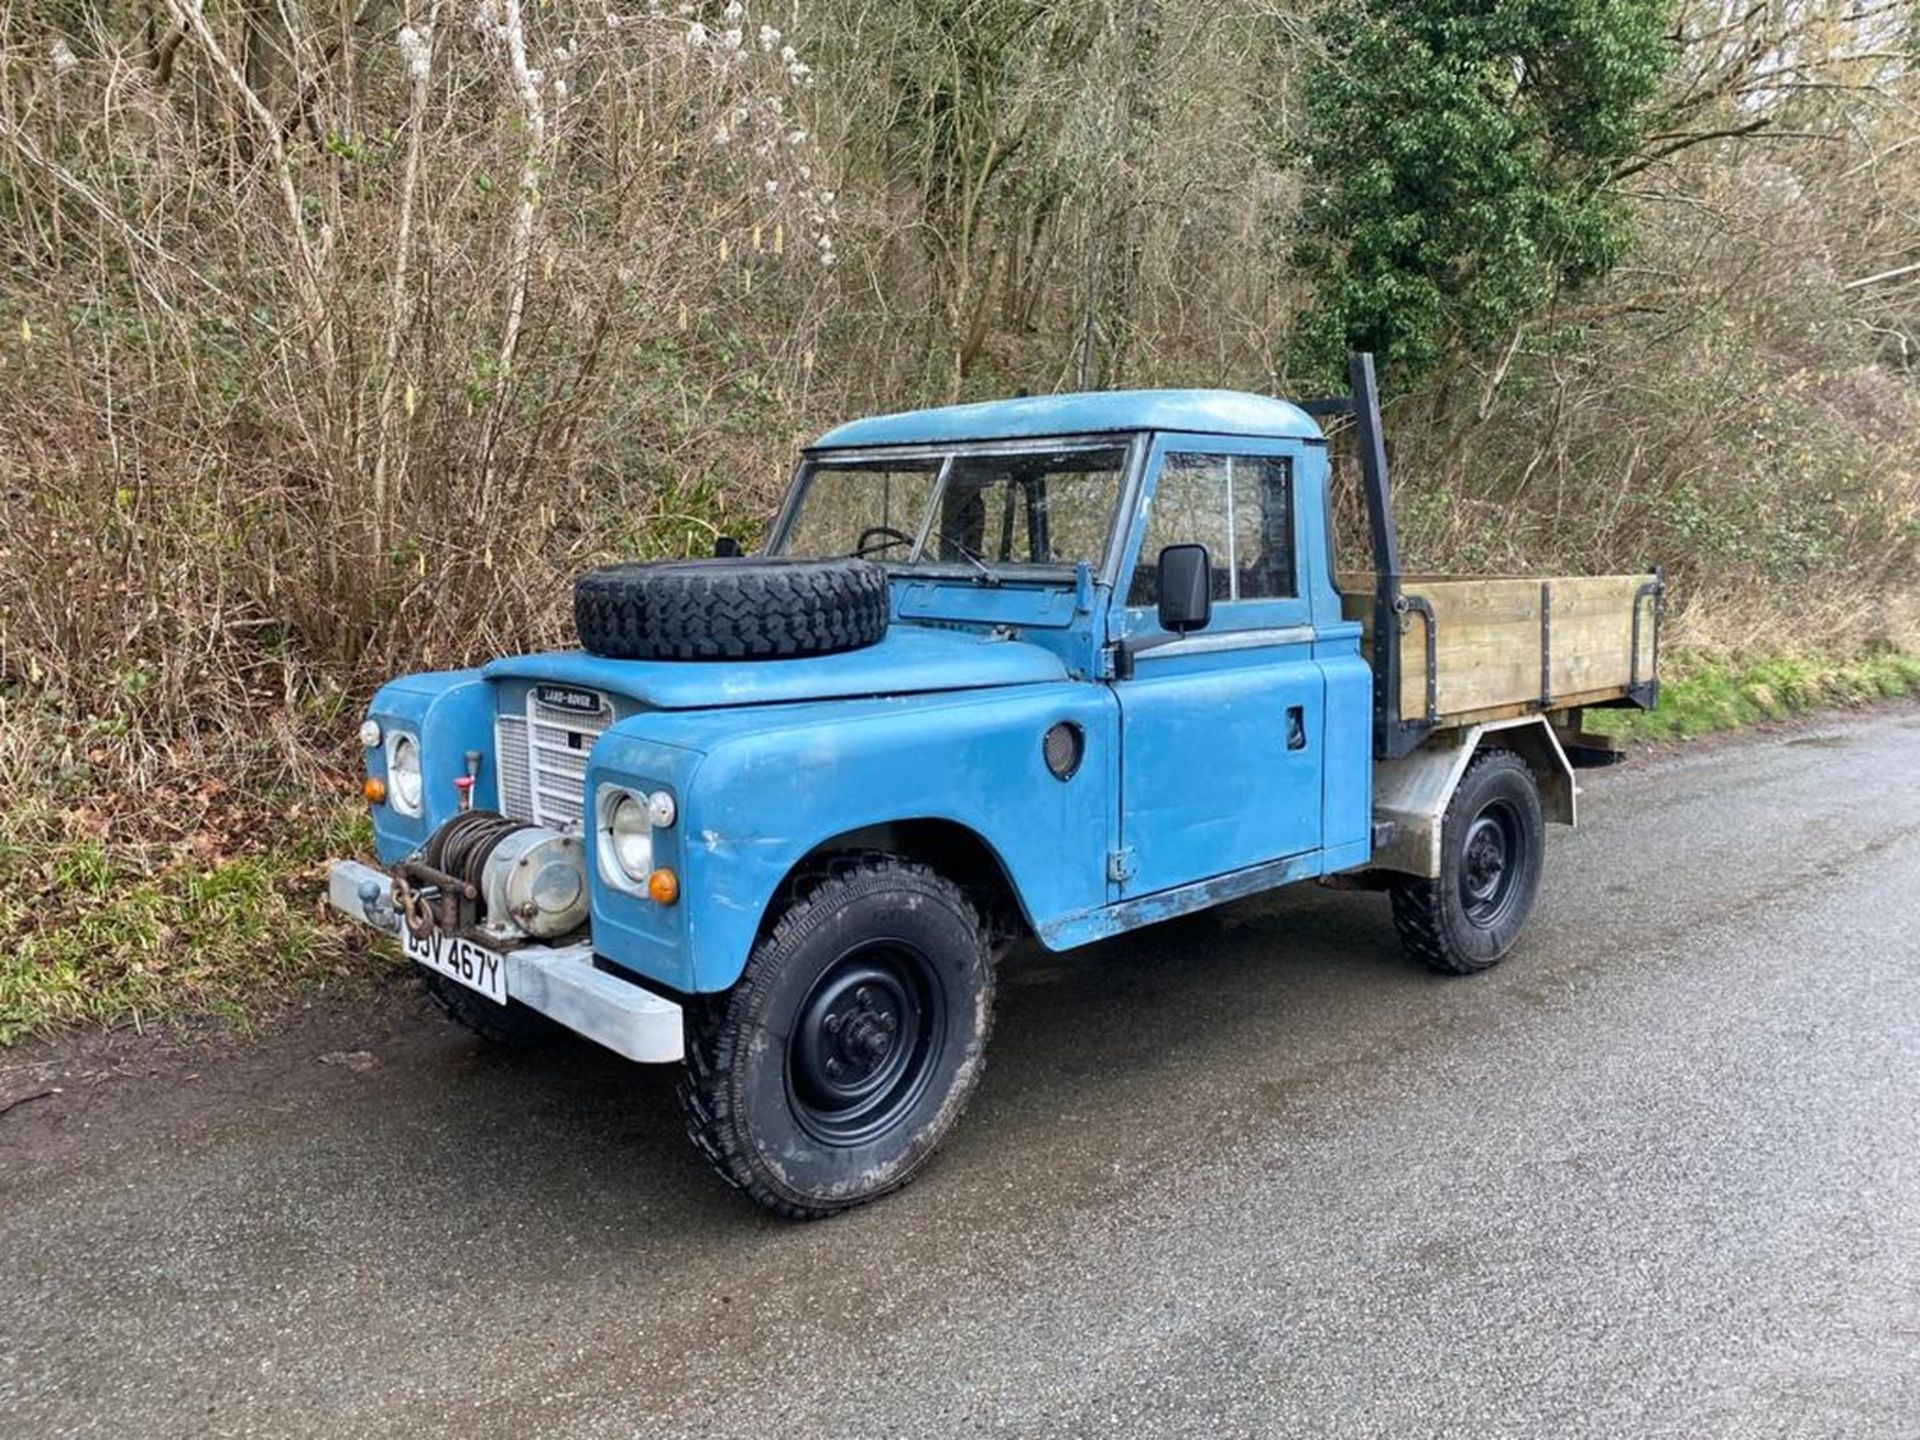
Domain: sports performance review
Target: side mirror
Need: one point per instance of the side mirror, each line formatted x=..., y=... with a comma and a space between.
x=1186, y=588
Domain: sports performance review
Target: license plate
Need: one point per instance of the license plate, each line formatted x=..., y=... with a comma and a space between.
x=474, y=966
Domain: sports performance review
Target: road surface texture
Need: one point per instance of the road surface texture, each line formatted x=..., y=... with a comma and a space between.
x=1248, y=1174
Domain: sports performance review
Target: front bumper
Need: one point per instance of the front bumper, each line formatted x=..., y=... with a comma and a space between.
x=560, y=982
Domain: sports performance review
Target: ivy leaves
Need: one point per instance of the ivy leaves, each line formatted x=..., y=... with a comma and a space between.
x=1459, y=157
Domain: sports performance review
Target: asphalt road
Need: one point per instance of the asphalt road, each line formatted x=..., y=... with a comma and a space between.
x=1658, y=1175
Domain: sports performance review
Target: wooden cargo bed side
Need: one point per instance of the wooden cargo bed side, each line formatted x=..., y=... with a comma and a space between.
x=1505, y=646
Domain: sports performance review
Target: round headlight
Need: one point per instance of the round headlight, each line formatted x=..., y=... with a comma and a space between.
x=660, y=809
x=632, y=835
x=403, y=774
x=370, y=734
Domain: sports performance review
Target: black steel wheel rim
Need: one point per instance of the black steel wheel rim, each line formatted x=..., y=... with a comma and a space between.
x=865, y=1043
x=1491, y=860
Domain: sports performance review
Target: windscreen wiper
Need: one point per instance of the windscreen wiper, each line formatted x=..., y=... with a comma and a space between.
x=988, y=575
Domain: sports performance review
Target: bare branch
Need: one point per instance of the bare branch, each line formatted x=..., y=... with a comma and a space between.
x=1687, y=142
x=1882, y=277
x=102, y=211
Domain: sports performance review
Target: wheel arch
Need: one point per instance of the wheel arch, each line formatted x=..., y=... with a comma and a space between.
x=949, y=848
x=1411, y=794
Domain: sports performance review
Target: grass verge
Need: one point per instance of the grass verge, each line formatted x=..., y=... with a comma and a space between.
x=108, y=932
x=1701, y=694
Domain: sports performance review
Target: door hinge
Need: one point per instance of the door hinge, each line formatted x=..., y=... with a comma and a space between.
x=1120, y=865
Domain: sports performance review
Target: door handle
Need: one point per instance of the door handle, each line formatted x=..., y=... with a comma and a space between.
x=1296, y=727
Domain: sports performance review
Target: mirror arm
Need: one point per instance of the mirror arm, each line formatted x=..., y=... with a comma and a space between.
x=1125, y=651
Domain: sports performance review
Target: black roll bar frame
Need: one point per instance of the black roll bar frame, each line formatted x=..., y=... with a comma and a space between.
x=1394, y=734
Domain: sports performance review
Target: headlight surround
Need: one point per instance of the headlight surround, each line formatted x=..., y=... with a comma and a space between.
x=627, y=838
x=406, y=787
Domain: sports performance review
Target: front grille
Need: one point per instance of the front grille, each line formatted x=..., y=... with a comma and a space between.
x=516, y=785
x=543, y=761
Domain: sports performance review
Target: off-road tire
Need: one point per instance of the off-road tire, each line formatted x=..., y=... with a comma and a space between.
x=1455, y=924
x=512, y=1025
x=733, y=609
x=741, y=1090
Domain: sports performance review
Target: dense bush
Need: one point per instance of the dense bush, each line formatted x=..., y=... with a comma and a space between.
x=1460, y=161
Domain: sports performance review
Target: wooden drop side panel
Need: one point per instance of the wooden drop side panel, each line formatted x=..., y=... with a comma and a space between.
x=1509, y=646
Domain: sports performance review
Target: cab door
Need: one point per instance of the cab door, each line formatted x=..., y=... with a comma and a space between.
x=1222, y=747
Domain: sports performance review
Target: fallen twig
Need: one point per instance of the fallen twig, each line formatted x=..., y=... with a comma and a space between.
x=24, y=1099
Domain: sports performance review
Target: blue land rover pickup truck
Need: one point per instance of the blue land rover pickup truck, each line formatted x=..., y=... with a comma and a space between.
x=1045, y=669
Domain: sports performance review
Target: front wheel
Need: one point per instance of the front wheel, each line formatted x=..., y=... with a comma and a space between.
x=833, y=1070
x=1492, y=841
x=512, y=1025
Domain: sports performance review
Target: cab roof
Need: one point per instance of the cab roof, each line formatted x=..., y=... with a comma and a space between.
x=1204, y=412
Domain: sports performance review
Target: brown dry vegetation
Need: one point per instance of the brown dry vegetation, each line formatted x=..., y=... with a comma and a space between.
x=334, y=340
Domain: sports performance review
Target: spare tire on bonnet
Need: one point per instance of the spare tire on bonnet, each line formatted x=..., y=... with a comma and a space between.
x=732, y=609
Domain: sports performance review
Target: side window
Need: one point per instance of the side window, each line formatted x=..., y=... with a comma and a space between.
x=1240, y=507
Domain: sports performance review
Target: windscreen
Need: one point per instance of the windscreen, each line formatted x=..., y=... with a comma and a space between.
x=1032, y=508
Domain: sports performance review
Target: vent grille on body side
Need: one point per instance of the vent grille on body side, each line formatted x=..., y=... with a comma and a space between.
x=543, y=760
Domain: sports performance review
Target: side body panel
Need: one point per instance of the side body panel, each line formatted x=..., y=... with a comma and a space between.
x=771, y=785
x=1209, y=781
x=1346, y=801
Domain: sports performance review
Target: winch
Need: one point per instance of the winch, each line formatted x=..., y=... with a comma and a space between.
x=503, y=878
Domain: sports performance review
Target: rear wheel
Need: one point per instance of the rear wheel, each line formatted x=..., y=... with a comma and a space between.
x=1492, y=842
x=833, y=1070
